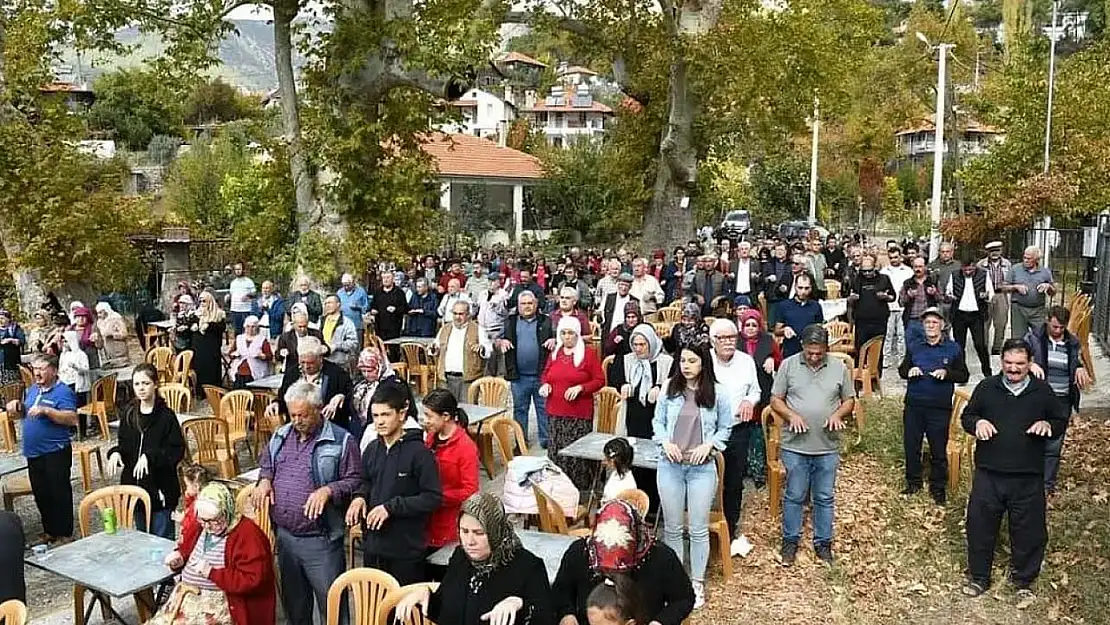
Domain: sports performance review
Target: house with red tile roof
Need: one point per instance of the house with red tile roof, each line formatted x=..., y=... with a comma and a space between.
x=568, y=113
x=473, y=169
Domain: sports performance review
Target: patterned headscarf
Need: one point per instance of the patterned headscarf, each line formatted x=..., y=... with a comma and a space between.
x=215, y=498
x=503, y=541
x=638, y=370
x=634, y=308
x=620, y=540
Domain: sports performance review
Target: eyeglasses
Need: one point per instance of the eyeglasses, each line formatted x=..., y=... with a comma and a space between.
x=726, y=337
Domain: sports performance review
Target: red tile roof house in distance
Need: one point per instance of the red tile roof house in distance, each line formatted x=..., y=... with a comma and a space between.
x=467, y=160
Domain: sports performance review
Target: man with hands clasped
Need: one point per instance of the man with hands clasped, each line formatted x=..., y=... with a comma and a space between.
x=933, y=367
x=813, y=393
x=307, y=473
x=1013, y=415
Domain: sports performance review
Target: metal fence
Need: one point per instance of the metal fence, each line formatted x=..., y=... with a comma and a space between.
x=1100, y=323
x=1070, y=269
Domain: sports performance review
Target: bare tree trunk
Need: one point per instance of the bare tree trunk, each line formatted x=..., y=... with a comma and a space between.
x=667, y=224
x=308, y=213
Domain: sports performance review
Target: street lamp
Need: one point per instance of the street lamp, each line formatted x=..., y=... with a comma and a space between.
x=1043, y=238
x=813, y=164
x=938, y=147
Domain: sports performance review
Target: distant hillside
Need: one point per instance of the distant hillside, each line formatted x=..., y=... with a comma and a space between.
x=246, y=55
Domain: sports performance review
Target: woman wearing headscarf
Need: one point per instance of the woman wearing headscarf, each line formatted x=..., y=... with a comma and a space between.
x=639, y=376
x=111, y=332
x=616, y=343
x=227, y=568
x=373, y=370
x=149, y=450
x=569, y=380
x=12, y=340
x=252, y=355
x=38, y=334
x=622, y=551
x=761, y=345
x=491, y=578
x=73, y=307
x=85, y=328
x=207, y=325
x=73, y=371
x=690, y=330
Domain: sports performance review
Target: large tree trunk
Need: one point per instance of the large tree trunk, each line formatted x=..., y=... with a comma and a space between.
x=308, y=213
x=667, y=223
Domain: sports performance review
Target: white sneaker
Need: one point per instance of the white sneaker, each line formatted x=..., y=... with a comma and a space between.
x=741, y=546
x=699, y=594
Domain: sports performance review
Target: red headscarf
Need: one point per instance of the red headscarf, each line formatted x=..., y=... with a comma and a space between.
x=620, y=541
x=749, y=345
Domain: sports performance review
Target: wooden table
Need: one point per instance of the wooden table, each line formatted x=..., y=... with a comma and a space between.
x=268, y=383
x=423, y=340
x=548, y=547
x=590, y=447
x=110, y=565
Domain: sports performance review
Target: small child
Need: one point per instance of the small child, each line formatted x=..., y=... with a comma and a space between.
x=612, y=602
x=196, y=477
x=618, y=454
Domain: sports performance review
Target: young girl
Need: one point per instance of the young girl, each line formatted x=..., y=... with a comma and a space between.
x=618, y=461
x=612, y=602
x=196, y=477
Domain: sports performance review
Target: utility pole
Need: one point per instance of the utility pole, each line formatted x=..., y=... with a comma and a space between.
x=938, y=148
x=1043, y=239
x=813, y=164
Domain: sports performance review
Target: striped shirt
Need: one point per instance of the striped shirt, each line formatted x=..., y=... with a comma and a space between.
x=209, y=549
x=1057, y=372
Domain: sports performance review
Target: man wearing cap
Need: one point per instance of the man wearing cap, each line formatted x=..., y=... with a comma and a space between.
x=709, y=284
x=612, y=312
x=1029, y=285
x=932, y=368
x=812, y=394
x=998, y=313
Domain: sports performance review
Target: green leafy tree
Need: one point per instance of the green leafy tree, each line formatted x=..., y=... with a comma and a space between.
x=135, y=105
x=216, y=101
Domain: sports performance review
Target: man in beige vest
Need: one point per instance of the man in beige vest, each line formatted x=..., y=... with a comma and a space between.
x=459, y=350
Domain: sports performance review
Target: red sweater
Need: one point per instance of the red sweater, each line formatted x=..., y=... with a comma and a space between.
x=457, y=459
x=248, y=575
x=561, y=374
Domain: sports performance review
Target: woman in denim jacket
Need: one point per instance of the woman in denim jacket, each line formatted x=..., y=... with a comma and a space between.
x=692, y=421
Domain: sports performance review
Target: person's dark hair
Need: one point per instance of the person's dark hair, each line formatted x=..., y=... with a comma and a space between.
x=678, y=249
x=894, y=248
x=392, y=395
x=49, y=360
x=804, y=276
x=1061, y=314
x=620, y=452
x=1018, y=345
x=443, y=401
x=815, y=333
x=617, y=592
x=196, y=473
x=912, y=246
x=151, y=372
x=706, y=395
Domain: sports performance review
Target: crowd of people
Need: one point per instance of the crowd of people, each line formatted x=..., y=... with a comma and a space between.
x=357, y=450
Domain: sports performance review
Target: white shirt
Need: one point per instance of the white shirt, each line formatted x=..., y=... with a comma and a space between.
x=898, y=276
x=616, y=485
x=744, y=276
x=618, y=310
x=738, y=376
x=241, y=291
x=447, y=305
x=455, y=357
x=967, y=300
x=646, y=289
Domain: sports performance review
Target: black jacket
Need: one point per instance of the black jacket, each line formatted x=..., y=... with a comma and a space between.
x=388, y=324
x=607, y=311
x=869, y=306
x=335, y=381
x=12, y=582
x=524, y=576
x=158, y=435
x=1012, y=450
x=543, y=329
x=663, y=585
x=910, y=286
x=1037, y=339
x=288, y=342
x=312, y=302
x=405, y=480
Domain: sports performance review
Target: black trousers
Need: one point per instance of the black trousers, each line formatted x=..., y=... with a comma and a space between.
x=867, y=329
x=736, y=465
x=962, y=323
x=931, y=423
x=404, y=570
x=1021, y=496
x=49, y=476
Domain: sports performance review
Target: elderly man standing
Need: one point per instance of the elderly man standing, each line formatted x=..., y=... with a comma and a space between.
x=998, y=315
x=1013, y=416
x=608, y=282
x=813, y=394
x=524, y=342
x=289, y=342
x=478, y=284
x=736, y=372
x=49, y=410
x=645, y=287
x=241, y=294
x=1029, y=285
x=355, y=303
x=389, y=308
x=449, y=298
x=459, y=349
x=339, y=333
x=269, y=307
x=612, y=312
x=332, y=382
x=568, y=307
x=745, y=273
x=423, y=310
x=314, y=305
x=492, y=310
x=307, y=474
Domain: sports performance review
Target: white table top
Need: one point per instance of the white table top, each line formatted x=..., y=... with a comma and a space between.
x=833, y=308
x=165, y=325
x=12, y=464
x=268, y=383
x=249, y=477
x=548, y=547
x=645, y=452
x=123, y=374
x=119, y=564
x=475, y=413
x=423, y=340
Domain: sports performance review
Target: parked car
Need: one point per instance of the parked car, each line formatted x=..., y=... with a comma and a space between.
x=800, y=229
x=736, y=223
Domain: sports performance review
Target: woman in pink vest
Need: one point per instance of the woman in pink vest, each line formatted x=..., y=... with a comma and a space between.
x=252, y=354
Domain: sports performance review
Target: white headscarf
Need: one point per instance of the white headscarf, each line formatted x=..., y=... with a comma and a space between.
x=572, y=324
x=638, y=370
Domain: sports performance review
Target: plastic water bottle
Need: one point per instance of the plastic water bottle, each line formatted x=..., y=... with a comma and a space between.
x=109, y=521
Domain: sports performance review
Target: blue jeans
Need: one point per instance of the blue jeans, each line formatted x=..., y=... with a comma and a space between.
x=162, y=524
x=526, y=390
x=688, y=488
x=807, y=474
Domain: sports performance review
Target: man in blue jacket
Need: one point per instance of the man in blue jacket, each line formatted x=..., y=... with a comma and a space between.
x=933, y=366
x=354, y=302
